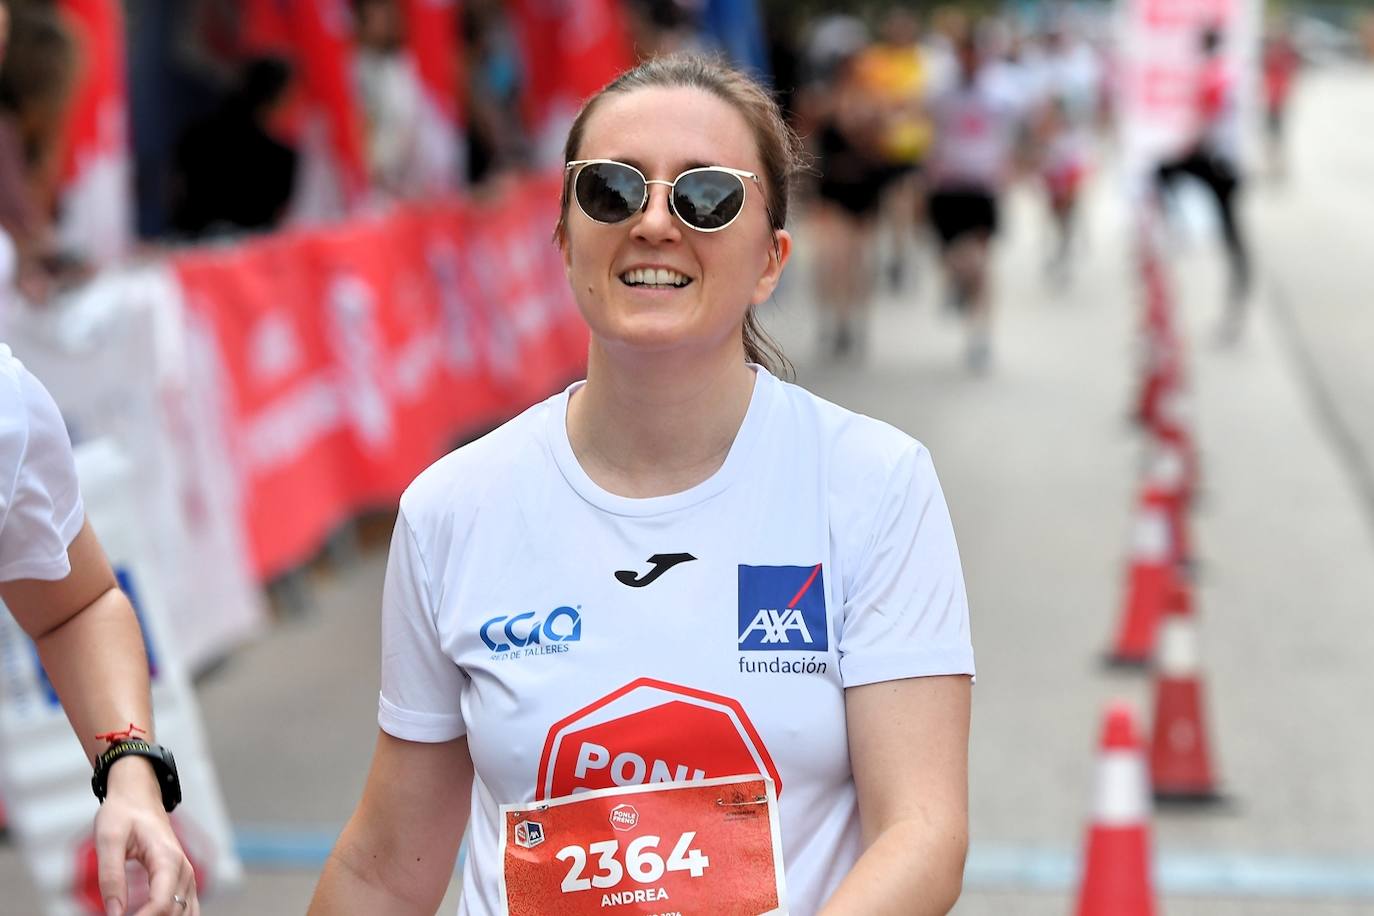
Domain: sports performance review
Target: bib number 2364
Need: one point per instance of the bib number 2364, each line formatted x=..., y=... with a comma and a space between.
x=709, y=847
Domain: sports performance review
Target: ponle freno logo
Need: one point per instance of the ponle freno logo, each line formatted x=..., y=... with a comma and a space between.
x=624, y=817
x=532, y=634
x=651, y=731
x=782, y=609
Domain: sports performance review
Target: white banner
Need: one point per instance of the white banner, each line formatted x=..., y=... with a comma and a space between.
x=156, y=396
x=1160, y=48
x=43, y=775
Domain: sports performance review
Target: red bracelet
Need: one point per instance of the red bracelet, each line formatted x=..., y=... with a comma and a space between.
x=125, y=735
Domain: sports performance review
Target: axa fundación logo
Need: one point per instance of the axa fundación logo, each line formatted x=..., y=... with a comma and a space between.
x=660, y=563
x=529, y=834
x=782, y=609
x=527, y=634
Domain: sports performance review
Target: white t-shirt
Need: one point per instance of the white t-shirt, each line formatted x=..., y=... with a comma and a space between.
x=976, y=129
x=820, y=556
x=40, y=503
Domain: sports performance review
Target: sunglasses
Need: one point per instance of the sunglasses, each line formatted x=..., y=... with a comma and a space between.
x=707, y=199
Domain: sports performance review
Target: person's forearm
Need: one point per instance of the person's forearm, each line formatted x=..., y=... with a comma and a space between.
x=356, y=880
x=910, y=869
x=99, y=670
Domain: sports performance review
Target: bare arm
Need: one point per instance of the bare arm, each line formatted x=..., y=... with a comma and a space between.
x=91, y=647
x=89, y=642
x=396, y=853
x=908, y=745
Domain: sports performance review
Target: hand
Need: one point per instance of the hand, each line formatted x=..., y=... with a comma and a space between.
x=132, y=825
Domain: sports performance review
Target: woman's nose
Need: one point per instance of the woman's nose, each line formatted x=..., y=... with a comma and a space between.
x=657, y=222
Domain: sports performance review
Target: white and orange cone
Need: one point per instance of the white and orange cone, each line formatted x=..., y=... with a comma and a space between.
x=1148, y=580
x=1167, y=472
x=1180, y=763
x=1116, y=869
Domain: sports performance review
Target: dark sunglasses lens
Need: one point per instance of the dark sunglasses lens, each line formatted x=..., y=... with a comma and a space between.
x=609, y=192
x=708, y=199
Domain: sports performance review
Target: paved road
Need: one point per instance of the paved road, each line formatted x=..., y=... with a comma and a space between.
x=1039, y=466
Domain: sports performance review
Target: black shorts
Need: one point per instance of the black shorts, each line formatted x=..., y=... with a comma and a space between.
x=956, y=213
x=860, y=199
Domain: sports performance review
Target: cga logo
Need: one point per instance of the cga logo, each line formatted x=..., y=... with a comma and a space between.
x=501, y=634
x=782, y=608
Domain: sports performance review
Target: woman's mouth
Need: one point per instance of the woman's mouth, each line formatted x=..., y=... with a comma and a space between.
x=654, y=278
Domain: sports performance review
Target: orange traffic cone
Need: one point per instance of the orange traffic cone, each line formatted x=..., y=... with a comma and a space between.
x=1148, y=581
x=1160, y=374
x=1180, y=766
x=1116, y=869
x=1167, y=471
x=1172, y=430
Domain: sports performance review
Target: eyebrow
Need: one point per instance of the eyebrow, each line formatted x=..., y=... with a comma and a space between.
x=683, y=167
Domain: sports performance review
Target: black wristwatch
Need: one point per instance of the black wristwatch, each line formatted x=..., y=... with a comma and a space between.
x=163, y=765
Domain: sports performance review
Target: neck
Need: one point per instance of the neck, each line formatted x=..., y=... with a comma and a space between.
x=653, y=425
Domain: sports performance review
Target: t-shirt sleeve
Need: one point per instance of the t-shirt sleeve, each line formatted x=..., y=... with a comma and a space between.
x=421, y=685
x=43, y=512
x=905, y=611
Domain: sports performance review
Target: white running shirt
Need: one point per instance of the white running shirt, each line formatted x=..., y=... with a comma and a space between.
x=975, y=134
x=40, y=503
x=820, y=556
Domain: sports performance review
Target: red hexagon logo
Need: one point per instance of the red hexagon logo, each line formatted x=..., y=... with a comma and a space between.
x=624, y=817
x=651, y=731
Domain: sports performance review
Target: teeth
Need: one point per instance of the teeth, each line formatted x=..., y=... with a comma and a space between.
x=649, y=276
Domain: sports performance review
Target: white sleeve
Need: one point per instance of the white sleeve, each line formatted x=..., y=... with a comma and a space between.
x=42, y=513
x=906, y=614
x=421, y=685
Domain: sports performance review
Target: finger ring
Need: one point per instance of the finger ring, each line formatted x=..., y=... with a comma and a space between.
x=179, y=900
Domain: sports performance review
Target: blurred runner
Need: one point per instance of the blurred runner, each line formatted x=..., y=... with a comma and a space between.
x=849, y=128
x=1280, y=64
x=894, y=70
x=1070, y=82
x=1213, y=157
x=976, y=131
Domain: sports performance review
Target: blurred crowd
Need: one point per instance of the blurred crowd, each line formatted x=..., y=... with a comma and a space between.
x=917, y=121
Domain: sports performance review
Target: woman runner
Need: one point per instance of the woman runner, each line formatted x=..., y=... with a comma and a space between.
x=728, y=612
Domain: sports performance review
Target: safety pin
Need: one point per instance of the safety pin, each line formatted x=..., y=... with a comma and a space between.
x=758, y=800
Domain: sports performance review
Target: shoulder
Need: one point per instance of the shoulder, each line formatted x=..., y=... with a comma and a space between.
x=29, y=419
x=458, y=484
x=857, y=451
x=14, y=417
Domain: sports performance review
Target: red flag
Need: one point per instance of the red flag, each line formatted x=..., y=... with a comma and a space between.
x=570, y=49
x=334, y=165
x=432, y=37
x=96, y=193
x=265, y=27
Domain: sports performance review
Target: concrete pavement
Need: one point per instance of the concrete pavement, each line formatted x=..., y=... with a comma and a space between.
x=1039, y=466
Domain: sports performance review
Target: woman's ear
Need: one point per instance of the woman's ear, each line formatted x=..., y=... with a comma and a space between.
x=778, y=255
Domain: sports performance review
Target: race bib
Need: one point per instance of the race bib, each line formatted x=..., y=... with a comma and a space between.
x=708, y=848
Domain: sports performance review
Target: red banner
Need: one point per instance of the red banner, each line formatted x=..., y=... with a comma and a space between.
x=357, y=355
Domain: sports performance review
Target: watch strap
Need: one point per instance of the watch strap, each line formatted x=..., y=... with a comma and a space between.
x=164, y=768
